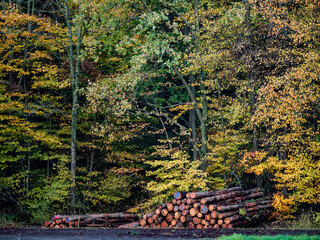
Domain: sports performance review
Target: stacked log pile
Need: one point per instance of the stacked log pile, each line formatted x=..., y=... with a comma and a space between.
x=110, y=220
x=228, y=208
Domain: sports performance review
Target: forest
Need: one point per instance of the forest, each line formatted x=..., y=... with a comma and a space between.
x=113, y=105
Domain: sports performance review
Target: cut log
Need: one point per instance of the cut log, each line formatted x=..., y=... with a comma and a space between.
x=212, y=207
x=185, y=212
x=228, y=214
x=204, y=209
x=219, y=197
x=193, y=211
x=169, y=207
x=214, y=214
x=164, y=212
x=191, y=201
x=196, y=220
x=229, y=207
x=169, y=217
x=199, y=215
x=213, y=193
x=234, y=218
x=177, y=215
x=164, y=224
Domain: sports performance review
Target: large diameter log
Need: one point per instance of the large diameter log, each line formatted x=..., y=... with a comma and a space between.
x=177, y=215
x=219, y=197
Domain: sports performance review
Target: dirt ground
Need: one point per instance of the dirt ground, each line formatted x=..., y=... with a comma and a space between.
x=42, y=233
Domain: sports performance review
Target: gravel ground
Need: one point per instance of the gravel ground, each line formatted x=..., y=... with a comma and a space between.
x=142, y=234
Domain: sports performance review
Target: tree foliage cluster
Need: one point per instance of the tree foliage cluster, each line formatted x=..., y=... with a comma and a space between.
x=112, y=105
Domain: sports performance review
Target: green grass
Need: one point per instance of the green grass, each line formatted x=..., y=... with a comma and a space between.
x=277, y=237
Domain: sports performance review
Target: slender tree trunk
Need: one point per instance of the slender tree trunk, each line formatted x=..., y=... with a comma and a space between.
x=193, y=124
x=73, y=76
x=203, y=97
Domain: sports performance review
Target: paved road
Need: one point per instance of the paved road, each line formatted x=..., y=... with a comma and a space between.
x=135, y=234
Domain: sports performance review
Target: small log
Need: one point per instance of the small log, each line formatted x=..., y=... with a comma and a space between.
x=231, y=219
x=204, y=209
x=164, y=224
x=199, y=215
x=220, y=221
x=169, y=217
x=170, y=207
x=197, y=205
x=183, y=219
x=176, y=208
x=148, y=215
x=214, y=214
x=199, y=226
x=185, y=212
x=196, y=220
x=182, y=207
x=207, y=217
x=212, y=221
x=164, y=212
x=150, y=220
x=191, y=225
x=212, y=207
x=193, y=211
x=177, y=215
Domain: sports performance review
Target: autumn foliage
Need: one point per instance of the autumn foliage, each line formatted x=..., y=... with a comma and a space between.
x=169, y=96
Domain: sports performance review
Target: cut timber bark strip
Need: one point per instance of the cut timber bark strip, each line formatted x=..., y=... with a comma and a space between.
x=233, y=219
x=258, y=202
x=219, y=197
x=213, y=193
x=228, y=214
x=229, y=207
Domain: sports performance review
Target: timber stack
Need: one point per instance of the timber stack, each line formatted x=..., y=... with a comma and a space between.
x=110, y=220
x=227, y=208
